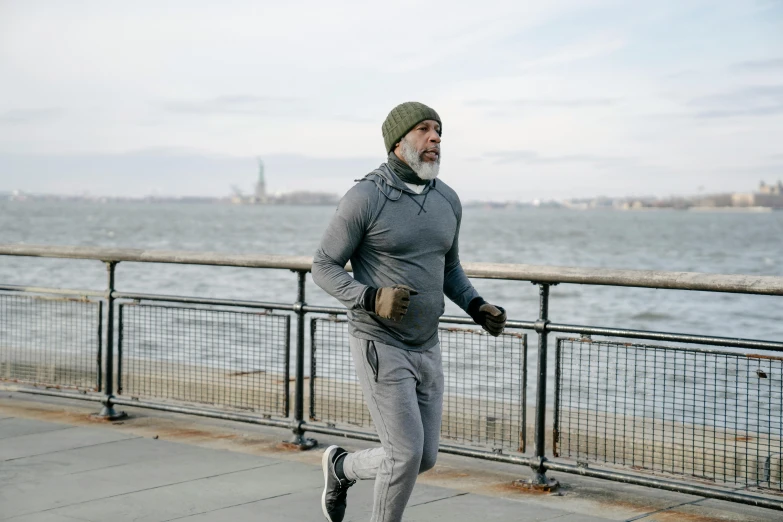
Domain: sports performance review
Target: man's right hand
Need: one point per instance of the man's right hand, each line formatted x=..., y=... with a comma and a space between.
x=392, y=302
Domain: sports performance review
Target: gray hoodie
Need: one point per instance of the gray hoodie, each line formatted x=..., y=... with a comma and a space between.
x=394, y=236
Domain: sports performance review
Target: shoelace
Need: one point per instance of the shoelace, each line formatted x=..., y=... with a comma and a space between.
x=341, y=490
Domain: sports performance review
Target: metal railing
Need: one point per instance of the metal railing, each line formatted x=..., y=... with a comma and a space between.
x=221, y=358
x=688, y=419
x=69, y=328
x=702, y=413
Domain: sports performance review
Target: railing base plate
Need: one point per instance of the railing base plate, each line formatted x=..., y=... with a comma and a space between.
x=300, y=443
x=545, y=485
x=109, y=414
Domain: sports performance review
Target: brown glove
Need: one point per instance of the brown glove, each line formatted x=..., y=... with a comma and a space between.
x=392, y=302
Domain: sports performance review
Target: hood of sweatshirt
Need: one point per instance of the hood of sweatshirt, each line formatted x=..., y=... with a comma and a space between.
x=390, y=184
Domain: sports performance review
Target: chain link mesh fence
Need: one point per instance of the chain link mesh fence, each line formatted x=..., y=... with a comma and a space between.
x=705, y=414
x=484, y=395
x=222, y=358
x=50, y=341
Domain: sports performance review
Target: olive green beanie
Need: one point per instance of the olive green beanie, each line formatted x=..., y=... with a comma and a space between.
x=402, y=119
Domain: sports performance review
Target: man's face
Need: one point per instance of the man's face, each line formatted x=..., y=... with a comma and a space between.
x=425, y=139
x=420, y=149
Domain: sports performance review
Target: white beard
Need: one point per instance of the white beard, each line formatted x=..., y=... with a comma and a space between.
x=426, y=170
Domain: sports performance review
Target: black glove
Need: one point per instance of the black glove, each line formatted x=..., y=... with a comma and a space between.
x=490, y=317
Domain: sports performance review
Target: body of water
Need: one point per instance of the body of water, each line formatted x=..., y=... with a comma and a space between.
x=728, y=243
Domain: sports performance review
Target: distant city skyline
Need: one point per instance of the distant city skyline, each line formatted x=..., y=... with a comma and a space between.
x=548, y=100
x=178, y=174
x=765, y=194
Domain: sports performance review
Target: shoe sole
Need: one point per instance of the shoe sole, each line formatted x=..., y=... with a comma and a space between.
x=325, y=465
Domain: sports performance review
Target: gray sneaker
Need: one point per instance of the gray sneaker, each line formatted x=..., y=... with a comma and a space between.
x=333, y=500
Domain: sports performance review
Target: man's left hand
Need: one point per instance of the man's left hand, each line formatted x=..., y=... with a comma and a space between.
x=493, y=318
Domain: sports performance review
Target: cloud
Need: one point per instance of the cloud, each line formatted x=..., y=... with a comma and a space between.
x=760, y=100
x=250, y=105
x=23, y=116
x=348, y=118
x=745, y=112
x=577, y=52
x=235, y=104
x=758, y=65
x=534, y=103
x=683, y=74
x=533, y=158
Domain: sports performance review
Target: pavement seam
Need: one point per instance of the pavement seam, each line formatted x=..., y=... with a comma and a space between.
x=227, y=507
x=69, y=449
x=146, y=459
x=460, y=494
x=571, y=514
x=74, y=518
x=106, y=467
x=38, y=432
x=692, y=502
x=141, y=490
x=664, y=509
x=87, y=470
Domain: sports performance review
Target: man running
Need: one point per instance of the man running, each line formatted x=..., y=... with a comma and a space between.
x=399, y=227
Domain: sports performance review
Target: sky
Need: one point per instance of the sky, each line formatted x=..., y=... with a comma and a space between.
x=539, y=100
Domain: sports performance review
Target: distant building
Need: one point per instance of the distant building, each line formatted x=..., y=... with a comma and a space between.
x=769, y=195
x=771, y=190
x=307, y=198
x=635, y=204
x=18, y=195
x=715, y=201
x=742, y=200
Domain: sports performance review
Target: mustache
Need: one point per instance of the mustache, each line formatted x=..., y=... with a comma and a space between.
x=432, y=149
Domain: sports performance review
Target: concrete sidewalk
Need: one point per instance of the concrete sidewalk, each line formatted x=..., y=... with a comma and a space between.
x=74, y=469
x=54, y=472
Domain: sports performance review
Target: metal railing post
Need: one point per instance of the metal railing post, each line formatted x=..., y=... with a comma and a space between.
x=539, y=479
x=298, y=439
x=108, y=412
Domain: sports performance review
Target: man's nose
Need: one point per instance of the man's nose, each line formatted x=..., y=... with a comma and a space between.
x=434, y=137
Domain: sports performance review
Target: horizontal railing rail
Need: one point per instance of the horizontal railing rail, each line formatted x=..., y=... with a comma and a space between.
x=743, y=284
x=259, y=359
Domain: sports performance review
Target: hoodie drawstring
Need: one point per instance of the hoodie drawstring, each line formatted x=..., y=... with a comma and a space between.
x=421, y=205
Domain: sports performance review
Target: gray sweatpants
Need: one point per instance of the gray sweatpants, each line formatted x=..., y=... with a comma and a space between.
x=404, y=393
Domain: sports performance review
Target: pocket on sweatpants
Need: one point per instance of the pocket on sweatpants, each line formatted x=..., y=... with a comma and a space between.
x=372, y=359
